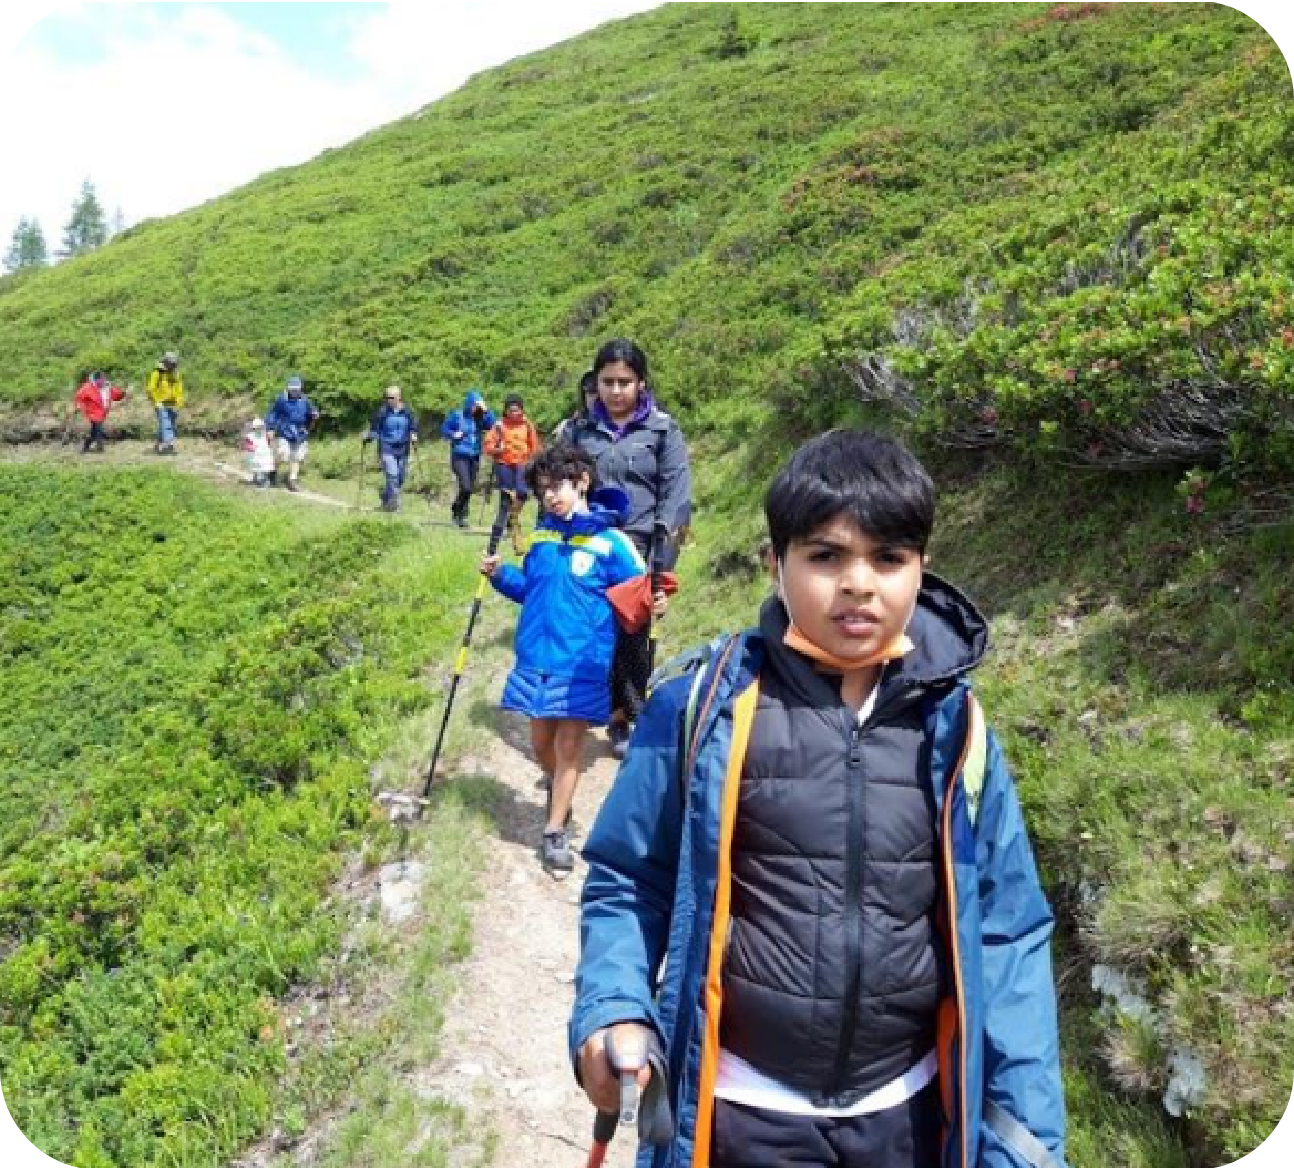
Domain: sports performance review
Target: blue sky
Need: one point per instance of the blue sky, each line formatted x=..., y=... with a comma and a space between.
x=228, y=91
x=315, y=35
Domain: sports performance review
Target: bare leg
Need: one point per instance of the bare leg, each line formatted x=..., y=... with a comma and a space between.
x=568, y=745
x=542, y=734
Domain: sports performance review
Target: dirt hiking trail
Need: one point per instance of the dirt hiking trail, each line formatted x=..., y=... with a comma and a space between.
x=503, y=1047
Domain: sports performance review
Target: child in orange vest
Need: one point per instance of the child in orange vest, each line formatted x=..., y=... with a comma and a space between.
x=513, y=443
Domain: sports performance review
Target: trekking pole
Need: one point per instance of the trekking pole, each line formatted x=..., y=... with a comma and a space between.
x=496, y=535
x=604, y=1129
x=420, y=472
x=605, y=1124
x=659, y=536
x=490, y=483
x=648, y=1108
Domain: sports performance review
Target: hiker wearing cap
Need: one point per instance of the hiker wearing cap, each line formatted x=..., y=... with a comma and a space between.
x=287, y=427
x=639, y=449
x=95, y=399
x=512, y=443
x=566, y=632
x=166, y=392
x=465, y=429
x=395, y=430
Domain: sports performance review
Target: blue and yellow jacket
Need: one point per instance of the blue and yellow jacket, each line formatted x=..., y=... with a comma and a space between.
x=567, y=627
x=655, y=916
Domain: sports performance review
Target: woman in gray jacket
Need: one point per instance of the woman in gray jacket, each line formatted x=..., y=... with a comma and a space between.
x=639, y=449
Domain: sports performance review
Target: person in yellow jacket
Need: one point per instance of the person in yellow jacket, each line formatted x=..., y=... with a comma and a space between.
x=166, y=391
x=513, y=444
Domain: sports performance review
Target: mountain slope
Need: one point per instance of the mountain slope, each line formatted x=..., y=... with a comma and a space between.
x=762, y=194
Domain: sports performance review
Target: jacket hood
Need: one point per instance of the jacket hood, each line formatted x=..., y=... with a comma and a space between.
x=471, y=400
x=949, y=636
x=612, y=501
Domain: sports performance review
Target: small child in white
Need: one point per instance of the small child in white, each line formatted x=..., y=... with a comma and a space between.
x=260, y=458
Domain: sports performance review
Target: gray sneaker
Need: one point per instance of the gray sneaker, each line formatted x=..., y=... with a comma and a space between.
x=618, y=733
x=557, y=853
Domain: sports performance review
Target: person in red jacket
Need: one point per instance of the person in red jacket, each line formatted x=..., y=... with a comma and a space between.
x=513, y=444
x=94, y=400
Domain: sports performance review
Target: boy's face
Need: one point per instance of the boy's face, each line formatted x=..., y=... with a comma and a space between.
x=850, y=594
x=513, y=413
x=562, y=497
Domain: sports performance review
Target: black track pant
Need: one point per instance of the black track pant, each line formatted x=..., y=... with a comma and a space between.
x=907, y=1135
x=464, y=468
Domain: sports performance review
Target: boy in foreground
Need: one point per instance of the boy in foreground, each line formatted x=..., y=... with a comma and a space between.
x=811, y=884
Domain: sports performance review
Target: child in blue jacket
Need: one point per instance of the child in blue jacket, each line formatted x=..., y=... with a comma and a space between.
x=811, y=885
x=566, y=634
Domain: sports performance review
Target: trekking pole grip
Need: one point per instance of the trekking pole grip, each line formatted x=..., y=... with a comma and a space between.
x=604, y=1126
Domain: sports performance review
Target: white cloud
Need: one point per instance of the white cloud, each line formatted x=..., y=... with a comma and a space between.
x=453, y=39
x=181, y=110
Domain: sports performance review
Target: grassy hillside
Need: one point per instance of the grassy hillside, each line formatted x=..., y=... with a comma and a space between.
x=1047, y=242
x=192, y=691
x=988, y=214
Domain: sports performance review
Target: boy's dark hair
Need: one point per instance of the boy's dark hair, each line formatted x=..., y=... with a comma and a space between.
x=558, y=462
x=872, y=480
x=513, y=400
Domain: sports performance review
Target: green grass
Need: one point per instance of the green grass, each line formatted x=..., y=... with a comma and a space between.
x=191, y=690
x=349, y=1092
x=1138, y=652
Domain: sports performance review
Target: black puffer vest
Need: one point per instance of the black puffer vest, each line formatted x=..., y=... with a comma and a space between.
x=832, y=971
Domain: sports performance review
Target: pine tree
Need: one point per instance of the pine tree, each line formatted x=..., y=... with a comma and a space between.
x=27, y=249
x=118, y=221
x=88, y=227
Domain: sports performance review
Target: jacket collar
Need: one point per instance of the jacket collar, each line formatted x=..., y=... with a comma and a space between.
x=948, y=633
x=596, y=519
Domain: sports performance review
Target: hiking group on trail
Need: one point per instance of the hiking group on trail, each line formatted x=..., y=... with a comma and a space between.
x=96, y=396
x=812, y=930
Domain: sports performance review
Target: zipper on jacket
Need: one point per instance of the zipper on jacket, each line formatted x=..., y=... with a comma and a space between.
x=854, y=817
x=854, y=853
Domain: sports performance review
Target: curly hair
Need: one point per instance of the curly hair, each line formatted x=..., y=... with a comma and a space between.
x=558, y=462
